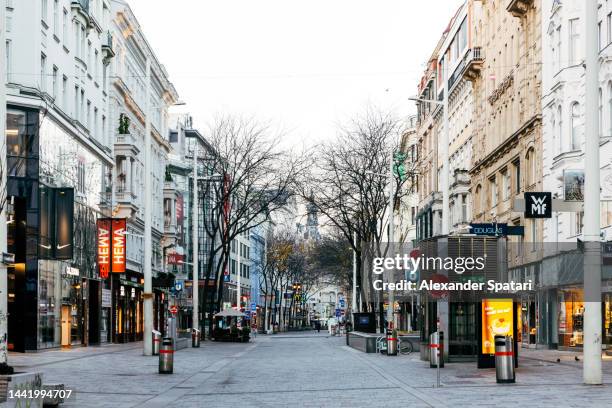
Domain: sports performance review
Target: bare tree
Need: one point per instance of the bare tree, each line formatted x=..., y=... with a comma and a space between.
x=350, y=184
x=248, y=178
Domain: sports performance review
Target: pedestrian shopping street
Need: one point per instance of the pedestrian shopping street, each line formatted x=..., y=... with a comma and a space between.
x=306, y=369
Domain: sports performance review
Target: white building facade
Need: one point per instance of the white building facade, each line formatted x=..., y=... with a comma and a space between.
x=58, y=145
x=137, y=75
x=563, y=113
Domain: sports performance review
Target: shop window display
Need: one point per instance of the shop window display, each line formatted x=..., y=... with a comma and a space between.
x=571, y=313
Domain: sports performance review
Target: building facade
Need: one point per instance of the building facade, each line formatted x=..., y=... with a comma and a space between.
x=59, y=161
x=137, y=75
x=457, y=55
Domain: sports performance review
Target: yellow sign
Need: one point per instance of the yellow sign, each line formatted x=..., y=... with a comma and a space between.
x=496, y=320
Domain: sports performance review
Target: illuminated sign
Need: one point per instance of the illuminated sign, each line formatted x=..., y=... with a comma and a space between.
x=104, y=247
x=119, y=255
x=497, y=319
x=111, y=246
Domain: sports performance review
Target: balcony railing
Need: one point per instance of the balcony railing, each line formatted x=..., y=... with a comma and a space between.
x=107, y=46
x=470, y=65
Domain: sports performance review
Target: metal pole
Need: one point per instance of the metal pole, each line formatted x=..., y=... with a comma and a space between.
x=148, y=254
x=354, y=300
x=390, y=311
x=238, y=280
x=3, y=178
x=195, y=288
x=592, y=370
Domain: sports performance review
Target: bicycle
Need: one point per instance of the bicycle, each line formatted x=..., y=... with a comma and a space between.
x=404, y=345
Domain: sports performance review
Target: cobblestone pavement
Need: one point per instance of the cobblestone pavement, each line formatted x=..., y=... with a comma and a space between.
x=306, y=370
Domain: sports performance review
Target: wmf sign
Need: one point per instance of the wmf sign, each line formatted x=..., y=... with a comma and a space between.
x=538, y=205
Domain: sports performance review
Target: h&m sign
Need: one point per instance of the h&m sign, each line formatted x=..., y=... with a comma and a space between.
x=538, y=205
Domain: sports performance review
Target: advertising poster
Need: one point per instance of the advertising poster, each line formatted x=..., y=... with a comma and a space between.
x=104, y=247
x=496, y=320
x=119, y=254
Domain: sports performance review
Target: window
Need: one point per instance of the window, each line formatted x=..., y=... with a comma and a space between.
x=534, y=235
x=531, y=167
x=464, y=209
x=559, y=47
x=574, y=119
x=65, y=93
x=83, y=42
x=8, y=61
x=88, y=124
x=96, y=67
x=89, y=59
x=609, y=26
x=559, y=146
x=480, y=198
x=55, y=17
x=506, y=184
x=95, y=123
x=599, y=36
x=43, y=10
x=76, y=103
x=43, y=72
x=579, y=222
x=600, y=113
x=55, y=83
x=517, y=176
x=574, y=41
x=493, y=189
x=65, y=29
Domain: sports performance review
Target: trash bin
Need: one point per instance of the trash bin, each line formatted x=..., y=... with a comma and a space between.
x=504, y=359
x=195, y=338
x=166, y=356
x=436, y=349
x=392, y=342
x=156, y=338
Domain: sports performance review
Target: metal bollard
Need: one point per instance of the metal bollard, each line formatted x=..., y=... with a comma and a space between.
x=156, y=338
x=166, y=356
x=392, y=342
x=436, y=349
x=195, y=338
x=504, y=359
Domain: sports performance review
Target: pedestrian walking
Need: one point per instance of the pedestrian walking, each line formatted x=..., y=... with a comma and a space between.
x=318, y=326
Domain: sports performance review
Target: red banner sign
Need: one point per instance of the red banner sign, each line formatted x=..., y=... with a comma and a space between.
x=112, y=254
x=119, y=255
x=175, y=258
x=104, y=247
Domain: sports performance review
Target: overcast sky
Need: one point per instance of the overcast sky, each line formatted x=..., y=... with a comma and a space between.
x=306, y=65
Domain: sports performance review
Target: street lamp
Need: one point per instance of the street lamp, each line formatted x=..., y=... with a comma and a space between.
x=148, y=219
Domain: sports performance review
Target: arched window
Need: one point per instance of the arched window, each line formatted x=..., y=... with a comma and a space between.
x=479, y=198
x=574, y=119
x=531, y=166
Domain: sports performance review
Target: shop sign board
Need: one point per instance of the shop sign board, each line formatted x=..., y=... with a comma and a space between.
x=573, y=185
x=70, y=271
x=497, y=319
x=538, y=205
x=119, y=253
x=104, y=247
x=106, y=298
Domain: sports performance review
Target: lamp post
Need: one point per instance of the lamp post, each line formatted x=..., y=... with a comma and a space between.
x=148, y=219
x=592, y=364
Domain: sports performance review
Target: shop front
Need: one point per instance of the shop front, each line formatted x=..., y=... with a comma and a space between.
x=127, y=298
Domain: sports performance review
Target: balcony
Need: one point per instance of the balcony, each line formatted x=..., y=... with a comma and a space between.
x=125, y=145
x=82, y=8
x=126, y=204
x=107, y=47
x=474, y=63
x=518, y=8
